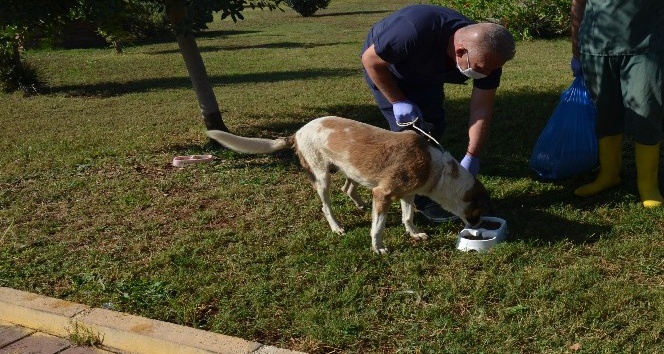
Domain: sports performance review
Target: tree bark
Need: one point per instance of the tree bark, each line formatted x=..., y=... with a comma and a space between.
x=118, y=47
x=16, y=54
x=177, y=13
x=207, y=101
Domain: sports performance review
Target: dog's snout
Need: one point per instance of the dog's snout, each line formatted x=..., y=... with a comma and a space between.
x=480, y=206
x=474, y=222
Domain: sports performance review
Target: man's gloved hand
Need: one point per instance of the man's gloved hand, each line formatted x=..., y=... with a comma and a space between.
x=575, y=64
x=405, y=112
x=471, y=163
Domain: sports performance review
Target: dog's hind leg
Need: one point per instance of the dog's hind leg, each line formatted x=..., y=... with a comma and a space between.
x=407, y=218
x=322, y=185
x=381, y=202
x=350, y=188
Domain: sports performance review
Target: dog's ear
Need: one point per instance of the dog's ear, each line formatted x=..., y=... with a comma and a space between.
x=481, y=198
x=479, y=203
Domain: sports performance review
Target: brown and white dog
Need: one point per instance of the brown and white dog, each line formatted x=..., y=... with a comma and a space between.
x=394, y=165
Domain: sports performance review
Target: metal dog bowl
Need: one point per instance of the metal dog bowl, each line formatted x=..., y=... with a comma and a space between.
x=490, y=232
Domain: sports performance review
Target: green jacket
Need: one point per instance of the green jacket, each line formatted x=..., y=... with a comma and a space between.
x=622, y=27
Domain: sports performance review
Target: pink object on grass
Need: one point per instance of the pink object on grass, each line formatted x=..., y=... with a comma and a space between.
x=179, y=161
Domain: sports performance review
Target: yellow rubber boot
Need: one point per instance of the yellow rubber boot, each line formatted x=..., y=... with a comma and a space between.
x=610, y=159
x=647, y=164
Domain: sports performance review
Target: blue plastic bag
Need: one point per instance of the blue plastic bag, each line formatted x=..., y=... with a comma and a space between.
x=567, y=147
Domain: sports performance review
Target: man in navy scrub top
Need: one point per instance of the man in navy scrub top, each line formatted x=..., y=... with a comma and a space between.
x=412, y=53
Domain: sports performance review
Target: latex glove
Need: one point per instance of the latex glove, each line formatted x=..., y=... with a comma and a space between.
x=471, y=163
x=575, y=64
x=405, y=112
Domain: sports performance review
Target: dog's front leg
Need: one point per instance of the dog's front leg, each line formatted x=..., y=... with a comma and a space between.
x=407, y=218
x=381, y=202
x=350, y=188
x=322, y=185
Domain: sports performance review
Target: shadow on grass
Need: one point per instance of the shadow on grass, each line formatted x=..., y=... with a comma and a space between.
x=531, y=219
x=353, y=13
x=279, y=45
x=223, y=33
x=170, y=38
x=110, y=89
x=369, y=114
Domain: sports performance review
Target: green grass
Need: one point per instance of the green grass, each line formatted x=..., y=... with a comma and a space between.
x=92, y=211
x=82, y=335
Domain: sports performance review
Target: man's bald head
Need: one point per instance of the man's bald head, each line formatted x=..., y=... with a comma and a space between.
x=490, y=39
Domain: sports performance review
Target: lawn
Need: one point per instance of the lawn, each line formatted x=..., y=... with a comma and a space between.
x=92, y=211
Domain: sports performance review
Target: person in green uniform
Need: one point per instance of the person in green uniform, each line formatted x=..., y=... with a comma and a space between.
x=618, y=48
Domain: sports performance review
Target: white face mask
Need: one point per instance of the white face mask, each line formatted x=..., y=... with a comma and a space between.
x=469, y=71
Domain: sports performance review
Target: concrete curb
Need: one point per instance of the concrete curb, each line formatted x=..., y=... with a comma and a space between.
x=120, y=331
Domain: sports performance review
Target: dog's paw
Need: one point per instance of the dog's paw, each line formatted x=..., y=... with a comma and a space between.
x=419, y=236
x=339, y=231
x=380, y=251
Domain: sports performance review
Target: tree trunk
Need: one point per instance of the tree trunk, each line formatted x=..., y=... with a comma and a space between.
x=177, y=13
x=16, y=54
x=201, y=82
x=118, y=47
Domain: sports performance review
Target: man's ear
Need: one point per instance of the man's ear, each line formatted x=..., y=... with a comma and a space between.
x=460, y=50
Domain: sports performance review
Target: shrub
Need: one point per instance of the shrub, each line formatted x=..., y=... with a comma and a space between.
x=142, y=21
x=23, y=77
x=307, y=8
x=147, y=21
x=526, y=19
x=15, y=73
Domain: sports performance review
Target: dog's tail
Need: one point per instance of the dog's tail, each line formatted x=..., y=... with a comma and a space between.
x=250, y=145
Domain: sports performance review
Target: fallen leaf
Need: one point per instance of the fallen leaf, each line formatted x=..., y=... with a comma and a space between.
x=575, y=346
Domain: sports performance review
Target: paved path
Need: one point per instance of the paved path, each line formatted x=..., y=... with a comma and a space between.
x=15, y=339
x=35, y=324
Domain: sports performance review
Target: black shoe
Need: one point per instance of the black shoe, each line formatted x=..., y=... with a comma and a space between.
x=435, y=213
